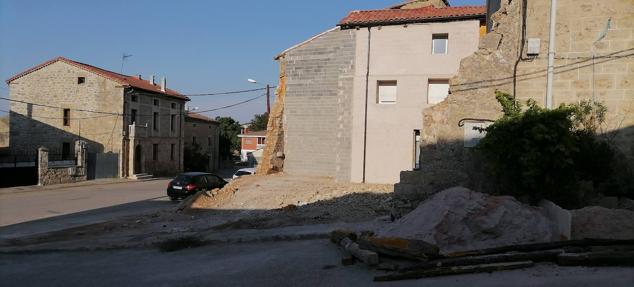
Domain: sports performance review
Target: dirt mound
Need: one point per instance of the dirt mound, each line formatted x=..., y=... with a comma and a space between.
x=459, y=219
x=602, y=223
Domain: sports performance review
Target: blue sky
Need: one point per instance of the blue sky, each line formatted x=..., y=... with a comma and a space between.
x=200, y=46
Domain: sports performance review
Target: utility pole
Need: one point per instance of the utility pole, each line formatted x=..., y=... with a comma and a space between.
x=268, y=99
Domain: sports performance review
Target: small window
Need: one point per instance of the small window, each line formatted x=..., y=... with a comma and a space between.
x=155, y=121
x=155, y=152
x=172, y=122
x=134, y=98
x=156, y=102
x=440, y=43
x=173, y=105
x=437, y=91
x=67, y=117
x=81, y=80
x=386, y=92
x=132, y=116
x=194, y=139
x=416, y=149
x=193, y=125
x=172, y=151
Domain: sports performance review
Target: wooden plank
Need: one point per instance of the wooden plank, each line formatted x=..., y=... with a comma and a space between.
x=446, y=271
x=368, y=257
x=400, y=247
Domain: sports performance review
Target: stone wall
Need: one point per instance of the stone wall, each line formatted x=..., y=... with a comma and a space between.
x=316, y=114
x=4, y=131
x=273, y=154
x=49, y=174
x=446, y=162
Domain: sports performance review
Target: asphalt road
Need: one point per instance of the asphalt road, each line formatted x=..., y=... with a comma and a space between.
x=27, y=213
x=286, y=263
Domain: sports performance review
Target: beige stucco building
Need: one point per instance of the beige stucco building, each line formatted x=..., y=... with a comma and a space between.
x=353, y=95
x=60, y=101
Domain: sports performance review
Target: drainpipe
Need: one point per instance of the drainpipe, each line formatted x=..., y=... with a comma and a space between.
x=551, y=54
x=365, y=120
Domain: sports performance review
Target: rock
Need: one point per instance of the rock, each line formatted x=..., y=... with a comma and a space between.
x=609, y=202
x=626, y=203
x=602, y=223
x=458, y=219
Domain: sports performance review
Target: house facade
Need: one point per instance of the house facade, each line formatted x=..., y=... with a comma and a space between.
x=61, y=101
x=203, y=133
x=251, y=145
x=353, y=95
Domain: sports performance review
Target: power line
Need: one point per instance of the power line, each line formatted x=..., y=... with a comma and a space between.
x=227, y=93
x=231, y=106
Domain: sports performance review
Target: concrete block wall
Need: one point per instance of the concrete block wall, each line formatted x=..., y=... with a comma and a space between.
x=319, y=78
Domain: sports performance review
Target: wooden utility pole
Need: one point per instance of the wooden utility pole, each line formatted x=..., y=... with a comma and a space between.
x=268, y=99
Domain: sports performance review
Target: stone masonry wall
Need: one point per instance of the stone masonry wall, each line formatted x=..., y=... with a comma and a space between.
x=317, y=120
x=446, y=162
x=48, y=175
x=273, y=155
x=4, y=131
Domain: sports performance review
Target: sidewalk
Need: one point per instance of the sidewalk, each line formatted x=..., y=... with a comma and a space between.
x=33, y=188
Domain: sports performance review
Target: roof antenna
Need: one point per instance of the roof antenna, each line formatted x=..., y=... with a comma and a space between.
x=124, y=56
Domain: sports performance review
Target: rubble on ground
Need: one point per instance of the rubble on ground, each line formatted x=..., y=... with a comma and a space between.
x=460, y=219
x=602, y=223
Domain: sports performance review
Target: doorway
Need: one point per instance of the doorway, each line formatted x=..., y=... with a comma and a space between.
x=138, y=159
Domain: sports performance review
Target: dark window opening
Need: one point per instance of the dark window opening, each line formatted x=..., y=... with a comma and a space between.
x=134, y=98
x=133, y=116
x=416, y=149
x=172, y=122
x=67, y=117
x=194, y=139
x=155, y=121
x=209, y=142
x=173, y=105
x=81, y=80
x=156, y=102
x=155, y=152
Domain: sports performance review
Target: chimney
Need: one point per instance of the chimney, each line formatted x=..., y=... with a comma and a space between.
x=139, y=77
x=152, y=80
x=163, y=84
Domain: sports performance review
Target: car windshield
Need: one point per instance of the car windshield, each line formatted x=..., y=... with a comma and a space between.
x=183, y=179
x=242, y=172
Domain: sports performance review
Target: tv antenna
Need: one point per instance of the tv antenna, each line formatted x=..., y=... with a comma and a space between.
x=124, y=56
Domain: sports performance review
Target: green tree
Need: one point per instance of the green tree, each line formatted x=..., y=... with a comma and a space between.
x=259, y=122
x=195, y=159
x=229, y=141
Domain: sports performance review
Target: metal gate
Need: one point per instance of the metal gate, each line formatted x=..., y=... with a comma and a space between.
x=102, y=165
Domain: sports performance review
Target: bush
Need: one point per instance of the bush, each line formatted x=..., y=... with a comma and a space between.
x=536, y=154
x=195, y=159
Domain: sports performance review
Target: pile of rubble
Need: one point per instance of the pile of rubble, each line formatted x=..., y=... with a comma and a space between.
x=460, y=231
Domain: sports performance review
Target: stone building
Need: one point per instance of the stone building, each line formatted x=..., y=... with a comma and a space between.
x=61, y=101
x=352, y=95
x=593, y=60
x=203, y=133
x=4, y=131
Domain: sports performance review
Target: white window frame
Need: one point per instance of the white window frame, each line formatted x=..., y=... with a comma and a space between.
x=381, y=99
x=431, y=82
x=437, y=37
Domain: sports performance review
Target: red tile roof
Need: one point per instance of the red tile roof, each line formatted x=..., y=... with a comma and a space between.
x=131, y=81
x=197, y=116
x=404, y=16
x=250, y=134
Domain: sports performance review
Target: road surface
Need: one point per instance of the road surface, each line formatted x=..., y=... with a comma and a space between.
x=27, y=213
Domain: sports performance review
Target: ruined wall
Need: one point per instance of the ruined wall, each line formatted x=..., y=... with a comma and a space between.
x=4, y=131
x=319, y=78
x=273, y=155
x=446, y=162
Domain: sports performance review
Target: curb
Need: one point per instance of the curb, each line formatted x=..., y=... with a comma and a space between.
x=37, y=188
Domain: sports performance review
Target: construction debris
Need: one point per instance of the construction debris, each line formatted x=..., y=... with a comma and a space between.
x=444, y=271
x=600, y=222
x=368, y=257
x=400, y=247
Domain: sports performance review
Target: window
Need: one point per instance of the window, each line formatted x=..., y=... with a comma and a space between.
x=155, y=121
x=172, y=151
x=194, y=139
x=134, y=98
x=81, y=80
x=416, y=149
x=65, y=151
x=440, y=43
x=156, y=102
x=173, y=105
x=67, y=117
x=155, y=151
x=437, y=91
x=132, y=116
x=172, y=122
x=261, y=140
x=386, y=92
x=209, y=142
x=193, y=125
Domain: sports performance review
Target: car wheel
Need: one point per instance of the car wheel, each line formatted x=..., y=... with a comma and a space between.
x=173, y=198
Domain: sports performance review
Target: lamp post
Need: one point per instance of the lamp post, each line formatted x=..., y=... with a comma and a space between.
x=268, y=94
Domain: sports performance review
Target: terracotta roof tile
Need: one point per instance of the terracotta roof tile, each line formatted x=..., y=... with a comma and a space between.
x=125, y=80
x=404, y=16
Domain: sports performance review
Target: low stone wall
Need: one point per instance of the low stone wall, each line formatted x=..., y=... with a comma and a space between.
x=48, y=175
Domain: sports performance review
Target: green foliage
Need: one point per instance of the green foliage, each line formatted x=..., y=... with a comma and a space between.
x=547, y=154
x=195, y=159
x=259, y=122
x=229, y=141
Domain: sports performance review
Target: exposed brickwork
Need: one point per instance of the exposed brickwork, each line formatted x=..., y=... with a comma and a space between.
x=316, y=106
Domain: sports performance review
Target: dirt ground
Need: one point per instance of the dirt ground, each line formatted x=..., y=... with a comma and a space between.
x=253, y=202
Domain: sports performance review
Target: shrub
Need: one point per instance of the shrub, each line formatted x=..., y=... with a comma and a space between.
x=536, y=153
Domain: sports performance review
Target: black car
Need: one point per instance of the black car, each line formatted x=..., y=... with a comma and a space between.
x=189, y=183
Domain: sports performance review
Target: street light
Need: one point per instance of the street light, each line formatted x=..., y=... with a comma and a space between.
x=268, y=94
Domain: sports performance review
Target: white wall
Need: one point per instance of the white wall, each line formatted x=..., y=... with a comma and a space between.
x=403, y=54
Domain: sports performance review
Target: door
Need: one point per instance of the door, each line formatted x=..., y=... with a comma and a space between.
x=138, y=159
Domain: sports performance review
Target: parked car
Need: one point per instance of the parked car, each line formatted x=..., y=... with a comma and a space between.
x=244, y=171
x=189, y=183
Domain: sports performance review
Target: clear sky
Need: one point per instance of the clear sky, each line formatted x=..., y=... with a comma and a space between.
x=200, y=46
